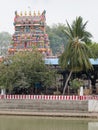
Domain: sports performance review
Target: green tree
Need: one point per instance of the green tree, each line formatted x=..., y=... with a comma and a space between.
x=5, y=40
x=25, y=70
x=94, y=48
x=57, y=38
x=76, y=84
x=6, y=75
x=76, y=54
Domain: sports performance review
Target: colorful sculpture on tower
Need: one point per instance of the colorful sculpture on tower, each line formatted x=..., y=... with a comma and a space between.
x=30, y=30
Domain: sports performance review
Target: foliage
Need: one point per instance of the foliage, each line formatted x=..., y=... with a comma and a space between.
x=76, y=57
x=94, y=48
x=5, y=40
x=57, y=38
x=6, y=76
x=76, y=84
x=26, y=69
x=78, y=31
x=76, y=54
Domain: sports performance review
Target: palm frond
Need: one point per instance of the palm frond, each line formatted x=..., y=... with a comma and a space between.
x=70, y=30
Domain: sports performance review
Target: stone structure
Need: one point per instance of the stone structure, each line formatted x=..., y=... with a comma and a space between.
x=30, y=30
x=49, y=103
x=44, y=105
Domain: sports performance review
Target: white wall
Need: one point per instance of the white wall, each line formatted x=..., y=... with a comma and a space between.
x=92, y=125
x=93, y=105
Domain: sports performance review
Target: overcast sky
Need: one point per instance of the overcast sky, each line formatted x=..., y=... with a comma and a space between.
x=57, y=11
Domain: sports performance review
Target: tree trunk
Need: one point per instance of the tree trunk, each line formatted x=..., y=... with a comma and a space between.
x=67, y=82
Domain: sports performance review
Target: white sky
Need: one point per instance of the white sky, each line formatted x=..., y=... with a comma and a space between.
x=57, y=11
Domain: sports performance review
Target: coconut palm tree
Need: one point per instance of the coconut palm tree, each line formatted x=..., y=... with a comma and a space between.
x=78, y=30
x=76, y=54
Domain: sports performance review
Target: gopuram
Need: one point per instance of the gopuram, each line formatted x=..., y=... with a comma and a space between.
x=30, y=30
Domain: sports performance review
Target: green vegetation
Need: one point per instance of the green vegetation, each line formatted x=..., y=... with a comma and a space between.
x=94, y=49
x=5, y=40
x=76, y=54
x=76, y=84
x=25, y=70
x=57, y=38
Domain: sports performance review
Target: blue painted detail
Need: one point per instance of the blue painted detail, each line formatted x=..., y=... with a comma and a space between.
x=94, y=62
x=54, y=61
x=51, y=61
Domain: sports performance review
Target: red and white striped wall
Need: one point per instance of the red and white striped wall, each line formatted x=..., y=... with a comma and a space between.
x=50, y=97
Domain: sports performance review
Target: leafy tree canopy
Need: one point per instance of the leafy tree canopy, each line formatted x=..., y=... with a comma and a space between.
x=94, y=49
x=5, y=40
x=24, y=70
x=76, y=54
x=57, y=38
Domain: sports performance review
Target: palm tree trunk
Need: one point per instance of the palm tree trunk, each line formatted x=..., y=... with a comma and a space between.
x=67, y=82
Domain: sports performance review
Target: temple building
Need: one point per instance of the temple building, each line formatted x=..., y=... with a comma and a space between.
x=30, y=30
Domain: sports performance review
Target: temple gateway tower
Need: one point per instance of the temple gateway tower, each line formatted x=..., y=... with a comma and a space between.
x=30, y=30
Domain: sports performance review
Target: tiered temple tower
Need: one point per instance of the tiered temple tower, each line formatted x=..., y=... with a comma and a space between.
x=30, y=30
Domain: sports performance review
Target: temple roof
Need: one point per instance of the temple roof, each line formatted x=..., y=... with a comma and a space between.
x=29, y=18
